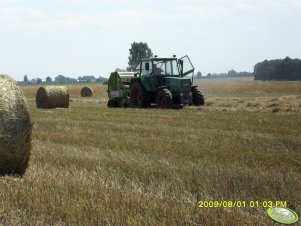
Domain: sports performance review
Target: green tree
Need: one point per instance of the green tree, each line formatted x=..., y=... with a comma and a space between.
x=48, y=79
x=60, y=79
x=138, y=51
x=39, y=81
x=25, y=80
x=199, y=74
x=232, y=73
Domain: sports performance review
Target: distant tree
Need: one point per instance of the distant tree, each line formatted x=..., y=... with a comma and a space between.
x=25, y=80
x=244, y=74
x=33, y=81
x=70, y=80
x=232, y=73
x=60, y=79
x=39, y=81
x=101, y=79
x=138, y=51
x=199, y=74
x=48, y=79
x=87, y=78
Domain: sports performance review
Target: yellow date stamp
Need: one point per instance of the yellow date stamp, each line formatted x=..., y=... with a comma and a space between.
x=240, y=204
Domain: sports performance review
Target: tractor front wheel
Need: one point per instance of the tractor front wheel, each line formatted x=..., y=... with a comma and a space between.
x=139, y=96
x=197, y=96
x=164, y=99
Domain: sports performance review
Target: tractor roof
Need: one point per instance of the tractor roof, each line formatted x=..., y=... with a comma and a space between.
x=158, y=59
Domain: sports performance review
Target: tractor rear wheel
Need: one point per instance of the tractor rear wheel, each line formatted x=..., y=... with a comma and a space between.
x=164, y=99
x=139, y=96
x=197, y=96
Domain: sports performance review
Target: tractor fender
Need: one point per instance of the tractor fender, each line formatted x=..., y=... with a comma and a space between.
x=194, y=86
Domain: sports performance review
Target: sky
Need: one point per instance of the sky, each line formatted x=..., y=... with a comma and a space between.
x=90, y=37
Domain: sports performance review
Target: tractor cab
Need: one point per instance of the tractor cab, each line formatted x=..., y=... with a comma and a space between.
x=165, y=67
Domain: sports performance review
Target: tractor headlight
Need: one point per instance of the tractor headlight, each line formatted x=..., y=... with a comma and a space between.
x=190, y=94
x=181, y=94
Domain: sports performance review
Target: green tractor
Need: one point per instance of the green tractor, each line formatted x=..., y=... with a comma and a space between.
x=159, y=81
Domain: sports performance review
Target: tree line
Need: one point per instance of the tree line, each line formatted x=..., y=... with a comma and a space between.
x=231, y=73
x=280, y=69
x=61, y=79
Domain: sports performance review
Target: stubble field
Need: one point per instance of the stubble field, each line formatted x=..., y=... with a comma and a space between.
x=92, y=165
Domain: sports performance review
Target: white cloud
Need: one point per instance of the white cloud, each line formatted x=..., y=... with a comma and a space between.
x=268, y=6
x=189, y=12
x=248, y=7
x=29, y=18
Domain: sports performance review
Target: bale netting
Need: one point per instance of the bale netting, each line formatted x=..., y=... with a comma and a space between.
x=15, y=128
x=86, y=92
x=52, y=97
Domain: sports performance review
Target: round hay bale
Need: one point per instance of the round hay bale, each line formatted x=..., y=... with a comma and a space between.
x=52, y=97
x=86, y=92
x=15, y=128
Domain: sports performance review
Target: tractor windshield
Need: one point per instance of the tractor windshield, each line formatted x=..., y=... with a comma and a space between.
x=165, y=67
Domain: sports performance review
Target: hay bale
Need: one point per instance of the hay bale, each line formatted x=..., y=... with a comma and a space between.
x=86, y=92
x=15, y=128
x=52, y=97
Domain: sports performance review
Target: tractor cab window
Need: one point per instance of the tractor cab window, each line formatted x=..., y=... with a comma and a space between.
x=146, y=68
x=168, y=68
x=165, y=67
x=174, y=67
x=159, y=68
x=185, y=66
